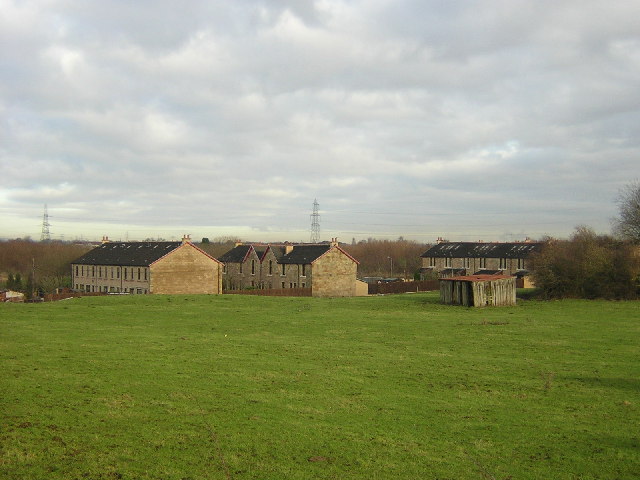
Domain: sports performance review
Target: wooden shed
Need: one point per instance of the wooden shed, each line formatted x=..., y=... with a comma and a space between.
x=478, y=290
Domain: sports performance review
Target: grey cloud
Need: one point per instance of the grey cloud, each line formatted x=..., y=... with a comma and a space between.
x=236, y=112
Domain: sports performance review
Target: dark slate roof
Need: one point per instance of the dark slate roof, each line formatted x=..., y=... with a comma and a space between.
x=302, y=254
x=260, y=251
x=236, y=254
x=278, y=250
x=482, y=250
x=139, y=254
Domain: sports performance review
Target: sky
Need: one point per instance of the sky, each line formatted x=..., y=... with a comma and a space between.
x=490, y=120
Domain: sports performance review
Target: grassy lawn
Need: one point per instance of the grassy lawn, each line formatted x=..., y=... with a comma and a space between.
x=395, y=387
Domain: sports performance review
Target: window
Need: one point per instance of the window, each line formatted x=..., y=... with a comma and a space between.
x=253, y=267
x=283, y=272
x=118, y=272
x=93, y=271
x=240, y=267
x=483, y=263
x=139, y=273
x=304, y=270
x=283, y=285
x=125, y=273
x=145, y=273
x=270, y=267
x=76, y=270
x=432, y=261
x=111, y=272
x=224, y=268
x=503, y=263
x=447, y=262
x=521, y=264
x=467, y=263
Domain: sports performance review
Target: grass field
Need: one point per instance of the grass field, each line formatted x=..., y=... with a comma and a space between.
x=395, y=387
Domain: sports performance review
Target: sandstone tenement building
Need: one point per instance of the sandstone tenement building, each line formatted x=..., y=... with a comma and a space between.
x=147, y=267
x=447, y=259
x=326, y=269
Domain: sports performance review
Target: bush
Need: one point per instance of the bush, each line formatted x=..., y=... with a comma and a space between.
x=587, y=266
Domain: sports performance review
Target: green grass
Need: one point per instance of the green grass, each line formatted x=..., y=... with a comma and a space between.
x=195, y=387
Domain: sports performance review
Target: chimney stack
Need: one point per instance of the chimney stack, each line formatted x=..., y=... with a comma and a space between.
x=105, y=239
x=288, y=248
x=186, y=238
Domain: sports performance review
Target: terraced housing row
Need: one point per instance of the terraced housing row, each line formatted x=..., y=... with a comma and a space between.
x=183, y=268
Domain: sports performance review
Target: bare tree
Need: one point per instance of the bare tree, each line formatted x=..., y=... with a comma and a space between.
x=627, y=225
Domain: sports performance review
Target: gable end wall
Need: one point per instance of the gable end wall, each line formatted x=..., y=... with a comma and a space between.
x=334, y=275
x=186, y=270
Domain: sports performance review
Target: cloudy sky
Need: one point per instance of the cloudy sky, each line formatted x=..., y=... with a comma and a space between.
x=494, y=119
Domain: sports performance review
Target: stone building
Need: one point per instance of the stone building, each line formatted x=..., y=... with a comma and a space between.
x=241, y=268
x=271, y=271
x=324, y=268
x=448, y=259
x=147, y=267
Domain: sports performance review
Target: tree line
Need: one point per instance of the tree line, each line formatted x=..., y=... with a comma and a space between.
x=26, y=265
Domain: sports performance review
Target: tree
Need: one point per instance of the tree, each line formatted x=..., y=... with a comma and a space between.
x=29, y=287
x=627, y=225
x=17, y=282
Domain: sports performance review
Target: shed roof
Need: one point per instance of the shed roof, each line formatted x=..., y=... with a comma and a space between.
x=482, y=250
x=139, y=254
x=477, y=278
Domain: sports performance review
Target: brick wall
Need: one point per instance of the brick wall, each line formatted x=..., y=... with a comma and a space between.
x=186, y=270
